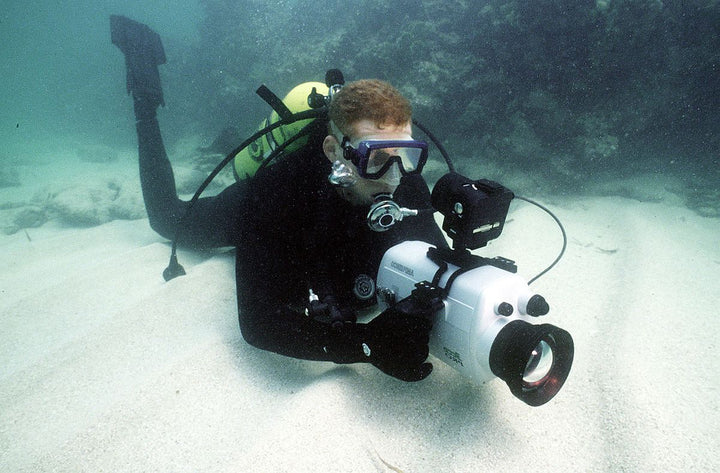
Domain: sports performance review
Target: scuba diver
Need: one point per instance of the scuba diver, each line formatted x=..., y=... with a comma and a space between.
x=306, y=256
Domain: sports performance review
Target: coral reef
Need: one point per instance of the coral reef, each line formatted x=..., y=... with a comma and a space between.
x=563, y=88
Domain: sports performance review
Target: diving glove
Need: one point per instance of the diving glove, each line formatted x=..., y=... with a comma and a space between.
x=397, y=340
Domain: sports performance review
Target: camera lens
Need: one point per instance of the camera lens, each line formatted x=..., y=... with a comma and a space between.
x=539, y=364
x=533, y=360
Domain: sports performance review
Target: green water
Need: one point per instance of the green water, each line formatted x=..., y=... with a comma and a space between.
x=562, y=94
x=63, y=80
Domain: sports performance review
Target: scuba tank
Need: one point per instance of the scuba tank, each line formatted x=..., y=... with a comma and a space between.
x=301, y=98
x=266, y=143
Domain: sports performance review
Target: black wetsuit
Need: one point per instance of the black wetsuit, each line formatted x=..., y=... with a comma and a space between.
x=293, y=232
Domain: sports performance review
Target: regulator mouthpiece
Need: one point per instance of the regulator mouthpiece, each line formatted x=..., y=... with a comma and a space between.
x=385, y=213
x=342, y=175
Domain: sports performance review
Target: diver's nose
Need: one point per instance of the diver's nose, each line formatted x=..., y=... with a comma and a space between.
x=392, y=176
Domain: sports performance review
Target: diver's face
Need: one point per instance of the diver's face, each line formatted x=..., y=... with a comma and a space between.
x=365, y=190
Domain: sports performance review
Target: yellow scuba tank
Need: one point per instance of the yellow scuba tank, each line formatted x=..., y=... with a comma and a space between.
x=248, y=160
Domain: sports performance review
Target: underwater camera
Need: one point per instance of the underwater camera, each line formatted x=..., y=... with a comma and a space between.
x=484, y=329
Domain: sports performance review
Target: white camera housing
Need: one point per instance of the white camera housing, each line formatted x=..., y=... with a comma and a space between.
x=472, y=316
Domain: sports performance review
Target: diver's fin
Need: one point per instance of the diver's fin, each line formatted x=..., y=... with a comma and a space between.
x=143, y=52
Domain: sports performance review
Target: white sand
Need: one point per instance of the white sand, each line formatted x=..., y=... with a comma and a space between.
x=105, y=367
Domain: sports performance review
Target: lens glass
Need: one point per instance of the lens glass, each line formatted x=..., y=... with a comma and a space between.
x=408, y=158
x=373, y=158
x=539, y=364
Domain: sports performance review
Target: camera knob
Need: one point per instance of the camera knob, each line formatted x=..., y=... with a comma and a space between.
x=505, y=309
x=537, y=306
x=386, y=296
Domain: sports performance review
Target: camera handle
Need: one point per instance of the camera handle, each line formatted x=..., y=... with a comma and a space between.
x=465, y=261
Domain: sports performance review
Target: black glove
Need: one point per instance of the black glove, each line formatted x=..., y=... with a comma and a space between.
x=396, y=341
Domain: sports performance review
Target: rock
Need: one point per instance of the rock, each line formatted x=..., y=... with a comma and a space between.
x=94, y=204
x=187, y=180
x=128, y=204
x=21, y=215
x=30, y=216
x=82, y=205
x=7, y=226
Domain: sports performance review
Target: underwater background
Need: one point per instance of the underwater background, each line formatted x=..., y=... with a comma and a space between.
x=553, y=95
x=606, y=111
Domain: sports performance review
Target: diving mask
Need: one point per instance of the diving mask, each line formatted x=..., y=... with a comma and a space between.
x=373, y=158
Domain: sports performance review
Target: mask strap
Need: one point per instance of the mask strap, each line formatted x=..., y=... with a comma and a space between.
x=349, y=153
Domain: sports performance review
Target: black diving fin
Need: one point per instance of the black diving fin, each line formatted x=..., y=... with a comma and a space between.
x=143, y=52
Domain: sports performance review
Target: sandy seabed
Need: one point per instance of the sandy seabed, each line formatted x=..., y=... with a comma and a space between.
x=106, y=367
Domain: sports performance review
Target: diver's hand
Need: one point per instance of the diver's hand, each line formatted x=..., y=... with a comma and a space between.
x=397, y=340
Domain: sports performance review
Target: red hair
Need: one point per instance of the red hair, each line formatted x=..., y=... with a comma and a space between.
x=369, y=99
